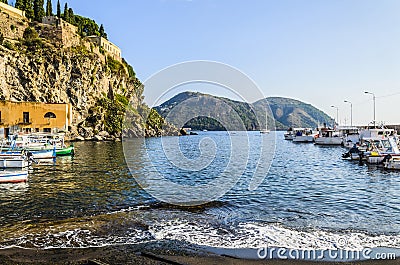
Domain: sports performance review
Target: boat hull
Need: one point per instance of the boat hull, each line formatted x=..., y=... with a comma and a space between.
x=13, y=177
x=65, y=151
x=328, y=141
x=304, y=139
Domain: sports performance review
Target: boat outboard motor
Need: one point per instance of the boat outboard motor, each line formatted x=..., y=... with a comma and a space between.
x=386, y=158
x=30, y=157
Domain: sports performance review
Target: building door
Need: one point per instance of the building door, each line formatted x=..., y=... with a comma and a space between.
x=26, y=117
x=6, y=132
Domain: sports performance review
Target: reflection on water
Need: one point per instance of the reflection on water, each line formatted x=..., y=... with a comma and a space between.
x=309, y=194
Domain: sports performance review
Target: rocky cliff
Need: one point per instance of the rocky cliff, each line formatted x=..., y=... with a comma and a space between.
x=36, y=66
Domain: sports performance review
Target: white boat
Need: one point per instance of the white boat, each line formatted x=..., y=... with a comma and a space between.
x=350, y=135
x=378, y=149
x=14, y=162
x=304, y=135
x=328, y=137
x=13, y=176
x=39, y=154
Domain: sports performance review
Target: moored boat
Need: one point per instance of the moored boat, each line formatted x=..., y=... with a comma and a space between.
x=378, y=149
x=67, y=151
x=304, y=135
x=328, y=137
x=37, y=154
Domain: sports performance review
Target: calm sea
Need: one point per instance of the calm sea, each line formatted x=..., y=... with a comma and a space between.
x=310, y=198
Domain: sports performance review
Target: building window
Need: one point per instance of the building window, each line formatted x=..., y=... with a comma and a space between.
x=25, y=117
x=47, y=130
x=50, y=115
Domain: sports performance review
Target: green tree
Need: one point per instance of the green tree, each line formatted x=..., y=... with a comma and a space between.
x=25, y=5
x=65, y=17
x=28, y=5
x=4, y=1
x=49, y=8
x=71, y=16
x=38, y=10
x=101, y=30
x=19, y=4
x=58, y=9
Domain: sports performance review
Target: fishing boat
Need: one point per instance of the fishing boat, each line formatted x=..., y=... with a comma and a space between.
x=13, y=176
x=378, y=149
x=38, y=154
x=304, y=135
x=350, y=135
x=328, y=137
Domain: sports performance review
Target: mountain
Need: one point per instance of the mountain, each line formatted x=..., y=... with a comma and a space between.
x=202, y=111
x=51, y=62
x=294, y=113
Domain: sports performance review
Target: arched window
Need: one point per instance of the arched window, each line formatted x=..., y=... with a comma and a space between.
x=50, y=115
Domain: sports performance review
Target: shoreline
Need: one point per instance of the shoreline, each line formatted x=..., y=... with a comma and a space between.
x=146, y=254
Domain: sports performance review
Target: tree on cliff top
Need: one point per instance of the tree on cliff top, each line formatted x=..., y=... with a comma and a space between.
x=25, y=5
x=4, y=1
x=38, y=10
x=58, y=9
x=49, y=8
x=65, y=16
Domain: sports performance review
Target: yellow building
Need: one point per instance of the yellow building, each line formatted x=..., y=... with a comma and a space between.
x=34, y=117
x=108, y=46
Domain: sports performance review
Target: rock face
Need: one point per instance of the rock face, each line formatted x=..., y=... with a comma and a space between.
x=99, y=88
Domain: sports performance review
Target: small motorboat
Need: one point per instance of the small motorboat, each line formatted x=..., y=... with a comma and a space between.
x=13, y=176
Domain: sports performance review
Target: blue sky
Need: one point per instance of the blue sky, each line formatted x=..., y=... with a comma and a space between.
x=318, y=51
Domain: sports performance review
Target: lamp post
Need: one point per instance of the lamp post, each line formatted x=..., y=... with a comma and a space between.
x=373, y=96
x=337, y=114
x=351, y=112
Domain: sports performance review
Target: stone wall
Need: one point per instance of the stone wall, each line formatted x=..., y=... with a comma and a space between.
x=12, y=10
x=11, y=25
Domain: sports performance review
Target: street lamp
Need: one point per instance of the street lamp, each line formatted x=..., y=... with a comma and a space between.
x=351, y=112
x=337, y=113
x=373, y=96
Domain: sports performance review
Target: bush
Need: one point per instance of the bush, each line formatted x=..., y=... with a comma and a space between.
x=8, y=45
x=1, y=38
x=131, y=72
x=114, y=65
x=30, y=33
x=12, y=27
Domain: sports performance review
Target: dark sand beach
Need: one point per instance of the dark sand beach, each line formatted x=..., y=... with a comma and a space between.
x=141, y=255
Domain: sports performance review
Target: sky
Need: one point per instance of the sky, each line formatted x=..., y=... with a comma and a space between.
x=318, y=51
